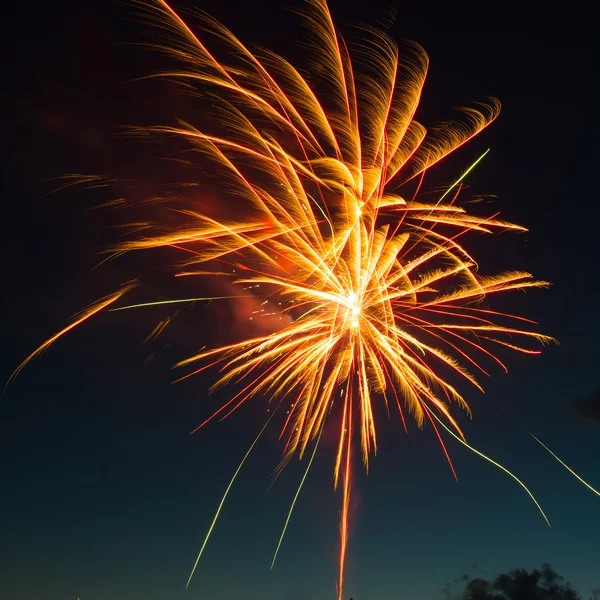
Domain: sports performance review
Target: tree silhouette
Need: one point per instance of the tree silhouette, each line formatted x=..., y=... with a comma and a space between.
x=518, y=584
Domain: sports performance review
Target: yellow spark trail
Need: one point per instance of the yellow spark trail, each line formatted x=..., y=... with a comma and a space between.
x=587, y=485
x=176, y=301
x=212, y=525
x=289, y=515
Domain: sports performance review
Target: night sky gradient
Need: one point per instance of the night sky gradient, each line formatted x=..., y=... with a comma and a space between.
x=106, y=496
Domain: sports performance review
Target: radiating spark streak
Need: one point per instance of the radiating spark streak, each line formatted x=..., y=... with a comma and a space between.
x=177, y=301
x=445, y=450
x=212, y=525
x=289, y=515
x=93, y=309
x=76, y=179
x=587, y=485
x=228, y=403
x=496, y=464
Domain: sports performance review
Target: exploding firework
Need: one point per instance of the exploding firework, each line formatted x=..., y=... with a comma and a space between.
x=380, y=304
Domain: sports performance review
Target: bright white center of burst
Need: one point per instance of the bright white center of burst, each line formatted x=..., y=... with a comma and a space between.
x=353, y=308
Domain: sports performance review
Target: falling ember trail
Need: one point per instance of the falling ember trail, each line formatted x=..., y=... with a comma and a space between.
x=93, y=309
x=493, y=462
x=345, y=507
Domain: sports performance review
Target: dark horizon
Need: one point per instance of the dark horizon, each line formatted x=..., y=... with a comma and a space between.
x=107, y=496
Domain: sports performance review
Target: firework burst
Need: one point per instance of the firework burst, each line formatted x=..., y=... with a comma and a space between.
x=380, y=303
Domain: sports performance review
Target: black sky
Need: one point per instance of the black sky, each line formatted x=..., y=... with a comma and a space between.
x=106, y=495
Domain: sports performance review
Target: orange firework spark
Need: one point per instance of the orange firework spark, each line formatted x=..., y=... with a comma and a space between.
x=379, y=299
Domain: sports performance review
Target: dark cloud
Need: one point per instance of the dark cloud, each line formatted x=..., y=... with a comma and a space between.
x=588, y=406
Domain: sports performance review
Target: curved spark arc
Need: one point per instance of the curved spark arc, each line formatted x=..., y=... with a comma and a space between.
x=496, y=464
x=90, y=311
x=376, y=291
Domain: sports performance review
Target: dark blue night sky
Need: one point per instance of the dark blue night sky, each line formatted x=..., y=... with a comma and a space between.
x=106, y=496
